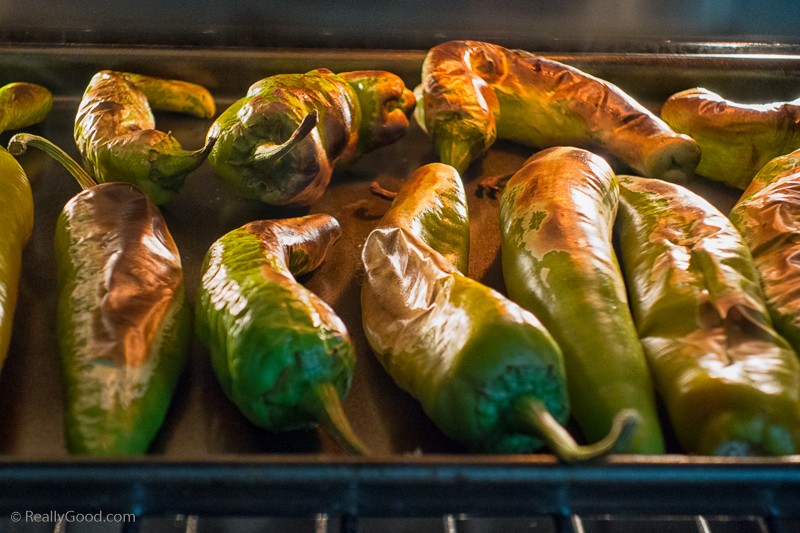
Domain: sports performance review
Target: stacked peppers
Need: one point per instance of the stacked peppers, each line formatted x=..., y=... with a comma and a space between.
x=485, y=370
x=729, y=381
x=281, y=142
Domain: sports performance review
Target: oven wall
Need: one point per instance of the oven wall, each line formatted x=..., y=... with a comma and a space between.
x=399, y=23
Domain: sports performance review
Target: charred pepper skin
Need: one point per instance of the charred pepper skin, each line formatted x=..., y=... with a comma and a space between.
x=557, y=213
x=483, y=369
x=280, y=353
x=21, y=104
x=473, y=93
x=767, y=216
x=116, y=134
x=729, y=381
x=736, y=139
x=123, y=322
x=281, y=143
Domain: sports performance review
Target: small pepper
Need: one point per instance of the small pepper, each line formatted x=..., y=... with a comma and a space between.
x=483, y=369
x=21, y=104
x=473, y=93
x=730, y=383
x=280, y=353
x=557, y=214
x=768, y=217
x=281, y=143
x=736, y=139
x=123, y=322
x=116, y=136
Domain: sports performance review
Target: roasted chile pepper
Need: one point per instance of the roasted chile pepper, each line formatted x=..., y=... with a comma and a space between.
x=473, y=93
x=21, y=104
x=483, y=369
x=123, y=322
x=768, y=217
x=735, y=139
x=116, y=136
x=281, y=354
x=557, y=214
x=730, y=383
x=282, y=141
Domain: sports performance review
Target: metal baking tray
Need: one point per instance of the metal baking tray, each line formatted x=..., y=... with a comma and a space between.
x=207, y=458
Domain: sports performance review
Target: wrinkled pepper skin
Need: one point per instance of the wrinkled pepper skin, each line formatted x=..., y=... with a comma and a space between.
x=124, y=325
x=281, y=143
x=735, y=139
x=116, y=136
x=557, y=213
x=473, y=359
x=281, y=354
x=21, y=104
x=473, y=93
x=768, y=217
x=729, y=381
x=123, y=322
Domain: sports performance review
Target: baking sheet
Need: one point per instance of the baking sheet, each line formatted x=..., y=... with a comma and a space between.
x=207, y=456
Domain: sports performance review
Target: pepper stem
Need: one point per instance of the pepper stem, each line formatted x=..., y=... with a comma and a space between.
x=378, y=190
x=20, y=142
x=274, y=152
x=331, y=415
x=532, y=413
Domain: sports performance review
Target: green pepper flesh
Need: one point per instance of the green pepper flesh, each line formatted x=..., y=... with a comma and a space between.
x=281, y=354
x=556, y=216
x=730, y=383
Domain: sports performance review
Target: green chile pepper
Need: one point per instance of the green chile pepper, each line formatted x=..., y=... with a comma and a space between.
x=767, y=216
x=21, y=104
x=736, y=139
x=729, y=381
x=473, y=93
x=557, y=214
x=281, y=142
x=483, y=369
x=116, y=136
x=280, y=353
x=123, y=322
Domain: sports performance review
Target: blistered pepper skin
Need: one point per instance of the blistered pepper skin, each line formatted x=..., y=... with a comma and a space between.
x=460, y=348
x=281, y=354
x=729, y=381
x=21, y=104
x=485, y=371
x=116, y=135
x=281, y=143
x=767, y=216
x=123, y=322
x=473, y=93
x=736, y=139
x=556, y=216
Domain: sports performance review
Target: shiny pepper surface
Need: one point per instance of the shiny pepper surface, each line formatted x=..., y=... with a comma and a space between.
x=115, y=131
x=557, y=214
x=21, y=104
x=281, y=354
x=730, y=383
x=484, y=369
x=281, y=143
x=123, y=322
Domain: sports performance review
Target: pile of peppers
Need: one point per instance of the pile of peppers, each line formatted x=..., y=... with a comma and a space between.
x=621, y=291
